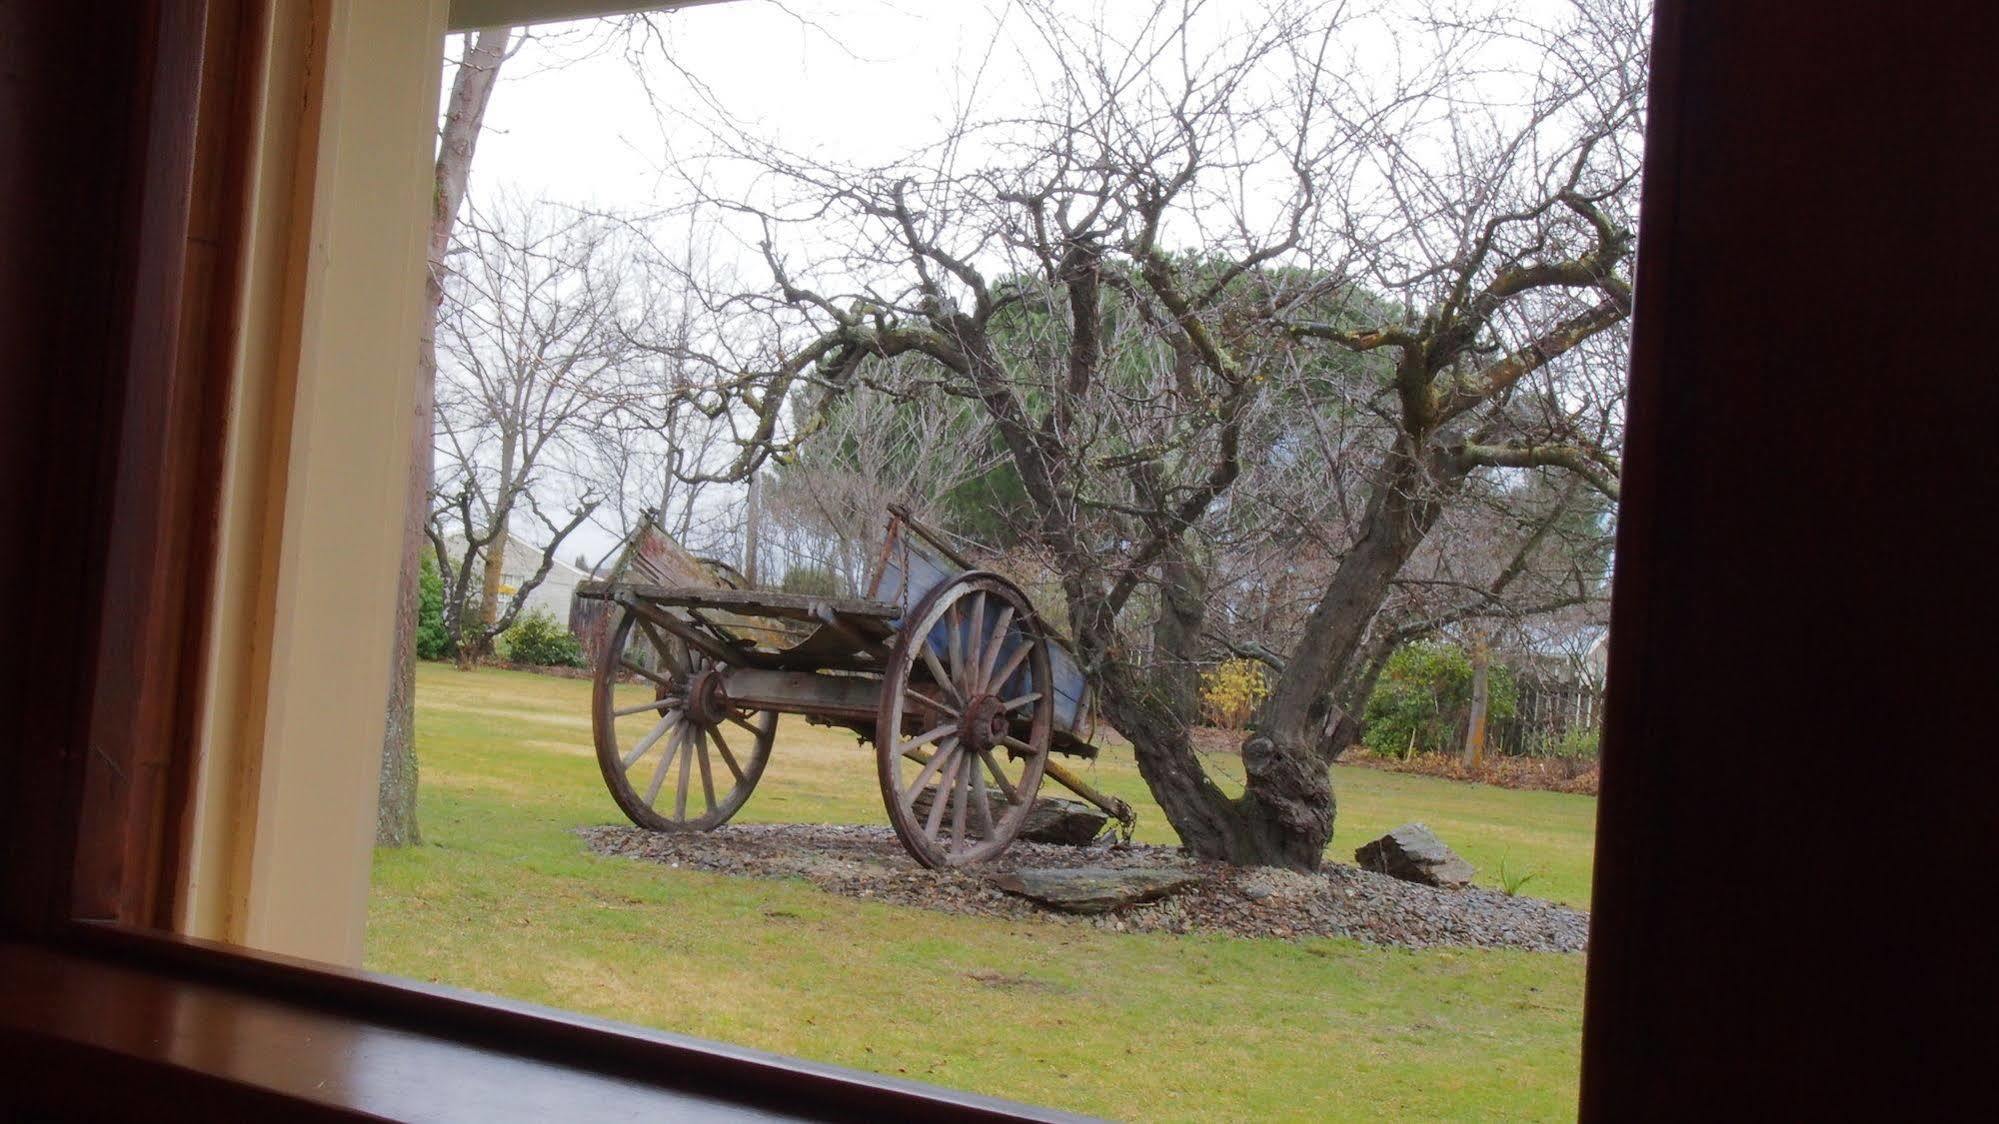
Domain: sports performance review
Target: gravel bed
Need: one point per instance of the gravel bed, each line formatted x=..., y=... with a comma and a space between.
x=1340, y=901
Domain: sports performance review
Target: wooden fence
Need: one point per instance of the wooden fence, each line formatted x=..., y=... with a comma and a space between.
x=1544, y=715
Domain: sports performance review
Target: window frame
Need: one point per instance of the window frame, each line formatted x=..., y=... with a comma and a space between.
x=119, y=457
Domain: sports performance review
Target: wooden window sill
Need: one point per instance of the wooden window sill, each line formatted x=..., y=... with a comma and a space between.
x=117, y=1022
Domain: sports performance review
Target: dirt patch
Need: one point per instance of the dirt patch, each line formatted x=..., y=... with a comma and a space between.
x=1341, y=901
x=1007, y=981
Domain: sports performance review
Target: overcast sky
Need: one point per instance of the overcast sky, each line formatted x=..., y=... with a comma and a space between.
x=572, y=120
x=587, y=116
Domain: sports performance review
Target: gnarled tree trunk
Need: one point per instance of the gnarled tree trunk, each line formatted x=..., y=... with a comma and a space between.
x=1285, y=816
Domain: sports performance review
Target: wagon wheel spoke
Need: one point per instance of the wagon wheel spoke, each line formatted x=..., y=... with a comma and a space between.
x=686, y=775
x=652, y=675
x=666, y=759
x=926, y=700
x=953, y=634
x=669, y=702
x=667, y=721
x=999, y=776
x=938, y=673
x=1012, y=664
x=923, y=775
x=707, y=778
x=946, y=789
x=983, y=822
x=959, y=789
x=975, y=637
x=1015, y=704
x=1018, y=746
x=926, y=737
x=991, y=655
x=722, y=748
x=745, y=724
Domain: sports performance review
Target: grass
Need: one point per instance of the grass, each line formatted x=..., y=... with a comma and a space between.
x=502, y=898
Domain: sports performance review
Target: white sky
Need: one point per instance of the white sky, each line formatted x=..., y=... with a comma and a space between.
x=585, y=131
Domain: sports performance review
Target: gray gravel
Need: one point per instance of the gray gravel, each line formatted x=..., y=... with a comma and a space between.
x=1340, y=901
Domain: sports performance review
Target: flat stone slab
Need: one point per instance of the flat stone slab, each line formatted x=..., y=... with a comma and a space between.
x=1412, y=853
x=1092, y=889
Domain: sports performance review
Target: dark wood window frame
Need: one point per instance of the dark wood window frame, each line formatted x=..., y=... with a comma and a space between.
x=1760, y=423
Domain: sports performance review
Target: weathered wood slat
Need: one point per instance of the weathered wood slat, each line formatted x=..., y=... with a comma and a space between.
x=852, y=611
x=705, y=643
x=850, y=697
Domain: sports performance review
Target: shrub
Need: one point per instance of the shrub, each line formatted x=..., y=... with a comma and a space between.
x=1230, y=693
x=1578, y=743
x=432, y=641
x=1424, y=694
x=813, y=581
x=536, y=638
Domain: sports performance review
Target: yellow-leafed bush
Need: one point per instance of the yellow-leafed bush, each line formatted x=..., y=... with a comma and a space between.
x=1230, y=693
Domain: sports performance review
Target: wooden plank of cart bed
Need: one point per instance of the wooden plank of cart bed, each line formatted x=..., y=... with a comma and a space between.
x=756, y=602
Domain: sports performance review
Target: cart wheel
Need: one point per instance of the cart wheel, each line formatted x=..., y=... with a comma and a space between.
x=967, y=710
x=658, y=711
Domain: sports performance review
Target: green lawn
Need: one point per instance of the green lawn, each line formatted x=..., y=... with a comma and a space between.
x=502, y=898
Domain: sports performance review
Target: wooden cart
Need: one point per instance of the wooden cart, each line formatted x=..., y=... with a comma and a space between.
x=946, y=667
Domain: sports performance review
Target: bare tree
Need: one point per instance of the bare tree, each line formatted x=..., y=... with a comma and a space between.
x=873, y=450
x=664, y=443
x=1212, y=253
x=534, y=362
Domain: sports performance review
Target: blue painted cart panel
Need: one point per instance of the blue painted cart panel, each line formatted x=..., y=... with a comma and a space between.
x=910, y=570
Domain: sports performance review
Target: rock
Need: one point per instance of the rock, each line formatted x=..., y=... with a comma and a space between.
x=1051, y=820
x=1413, y=854
x=1092, y=889
x=1054, y=820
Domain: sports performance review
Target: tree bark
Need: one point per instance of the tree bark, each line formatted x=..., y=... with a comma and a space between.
x=1481, y=695
x=1285, y=816
x=1403, y=504
x=752, y=528
x=471, y=90
x=491, y=578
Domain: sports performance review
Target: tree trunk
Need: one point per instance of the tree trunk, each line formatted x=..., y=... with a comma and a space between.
x=1481, y=694
x=490, y=582
x=494, y=574
x=1287, y=757
x=471, y=89
x=395, y=815
x=1284, y=817
x=752, y=540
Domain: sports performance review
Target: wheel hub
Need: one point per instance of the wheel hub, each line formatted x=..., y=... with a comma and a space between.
x=707, y=698
x=983, y=723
